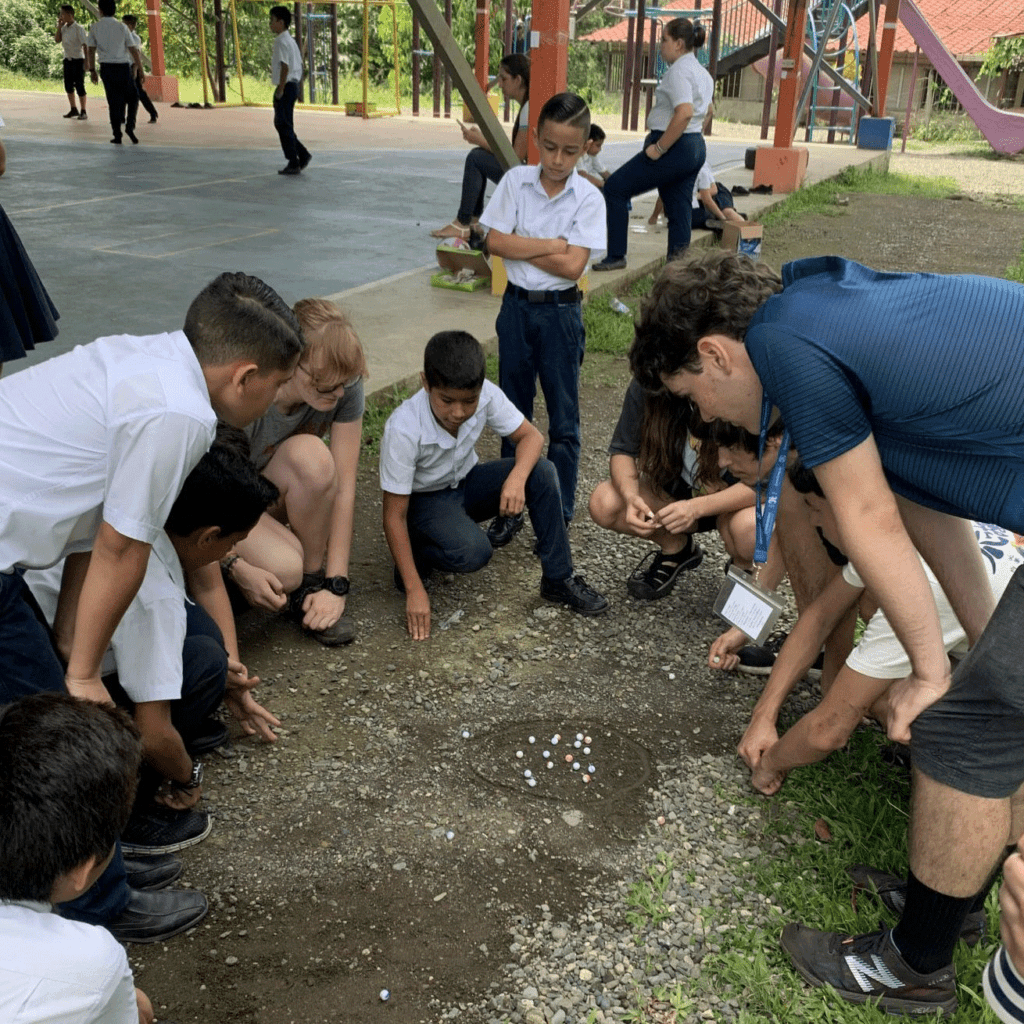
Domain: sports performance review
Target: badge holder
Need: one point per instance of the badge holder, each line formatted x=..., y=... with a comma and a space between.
x=745, y=604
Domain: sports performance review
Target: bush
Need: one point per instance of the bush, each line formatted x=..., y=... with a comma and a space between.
x=32, y=54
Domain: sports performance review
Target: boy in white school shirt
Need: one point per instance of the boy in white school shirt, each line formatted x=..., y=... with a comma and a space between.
x=286, y=74
x=436, y=490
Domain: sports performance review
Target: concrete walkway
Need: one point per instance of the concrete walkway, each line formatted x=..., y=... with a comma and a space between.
x=125, y=236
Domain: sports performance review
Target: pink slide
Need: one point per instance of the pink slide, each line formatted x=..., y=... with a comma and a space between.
x=1003, y=129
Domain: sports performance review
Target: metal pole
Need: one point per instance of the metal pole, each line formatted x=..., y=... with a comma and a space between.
x=415, y=66
x=297, y=19
x=238, y=51
x=627, y=68
x=716, y=45
x=769, y=82
x=366, y=58
x=202, y=48
x=510, y=35
x=218, y=38
x=638, y=60
x=910, y=100
x=334, y=55
x=447, y=75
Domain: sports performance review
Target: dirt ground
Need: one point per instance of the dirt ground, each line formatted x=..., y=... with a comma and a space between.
x=387, y=839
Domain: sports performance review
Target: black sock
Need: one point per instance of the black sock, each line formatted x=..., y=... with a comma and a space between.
x=929, y=927
x=979, y=900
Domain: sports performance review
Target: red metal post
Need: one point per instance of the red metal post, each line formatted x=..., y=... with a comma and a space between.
x=549, y=58
x=891, y=18
x=161, y=86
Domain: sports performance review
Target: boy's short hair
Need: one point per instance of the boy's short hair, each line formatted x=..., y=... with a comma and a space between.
x=281, y=14
x=67, y=782
x=332, y=345
x=237, y=316
x=803, y=480
x=130, y=20
x=68, y=8
x=454, y=359
x=107, y=7
x=566, y=108
x=710, y=292
x=224, y=490
x=596, y=132
x=723, y=434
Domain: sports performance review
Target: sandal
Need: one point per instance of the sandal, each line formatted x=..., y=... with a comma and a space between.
x=657, y=573
x=453, y=229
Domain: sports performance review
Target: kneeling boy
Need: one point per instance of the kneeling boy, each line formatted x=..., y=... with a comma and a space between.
x=67, y=778
x=436, y=490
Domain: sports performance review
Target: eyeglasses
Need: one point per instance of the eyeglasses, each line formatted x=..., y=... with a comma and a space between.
x=331, y=388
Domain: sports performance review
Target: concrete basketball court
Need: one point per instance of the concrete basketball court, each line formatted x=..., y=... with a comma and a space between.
x=125, y=236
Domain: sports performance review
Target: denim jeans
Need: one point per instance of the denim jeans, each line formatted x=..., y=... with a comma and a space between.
x=480, y=168
x=284, y=122
x=673, y=175
x=443, y=530
x=545, y=340
x=28, y=665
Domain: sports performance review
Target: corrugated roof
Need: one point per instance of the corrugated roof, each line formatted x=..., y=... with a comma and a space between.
x=617, y=33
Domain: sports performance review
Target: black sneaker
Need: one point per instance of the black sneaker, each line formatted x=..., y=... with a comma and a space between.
x=759, y=661
x=304, y=161
x=290, y=169
x=311, y=583
x=609, y=264
x=151, y=873
x=891, y=892
x=656, y=575
x=155, y=916
x=162, y=830
x=71, y=113
x=868, y=968
x=503, y=529
x=575, y=594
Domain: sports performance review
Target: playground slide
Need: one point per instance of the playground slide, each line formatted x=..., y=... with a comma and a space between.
x=1003, y=129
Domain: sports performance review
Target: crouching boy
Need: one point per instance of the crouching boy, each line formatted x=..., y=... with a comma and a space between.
x=67, y=779
x=436, y=490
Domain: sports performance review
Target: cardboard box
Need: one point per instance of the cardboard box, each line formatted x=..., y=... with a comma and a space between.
x=744, y=238
x=443, y=279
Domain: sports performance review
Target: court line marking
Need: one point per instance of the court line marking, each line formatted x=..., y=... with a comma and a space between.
x=179, y=252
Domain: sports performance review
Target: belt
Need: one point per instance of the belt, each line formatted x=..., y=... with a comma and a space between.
x=559, y=295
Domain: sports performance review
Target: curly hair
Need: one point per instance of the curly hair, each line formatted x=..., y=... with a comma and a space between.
x=712, y=292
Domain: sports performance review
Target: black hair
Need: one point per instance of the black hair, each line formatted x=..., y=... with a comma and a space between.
x=107, y=7
x=705, y=292
x=518, y=66
x=224, y=490
x=280, y=13
x=718, y=434
x=454, y=359
x=67, y=782
x=692, y=33
x=566, y=108
x=597, y=132
x=803, y=480
x=67, y=7
x=237, y=316
x=130, y=20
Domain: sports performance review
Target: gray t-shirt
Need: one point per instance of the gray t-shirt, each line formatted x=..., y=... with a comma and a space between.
x=274, y=427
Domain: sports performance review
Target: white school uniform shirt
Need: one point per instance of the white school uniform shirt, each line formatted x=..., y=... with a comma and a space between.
x=881, y=656
x=684, y=82
x=286, y=51
x=73, y=39
x=705, y=179
x=592, y=165
x=146, y=647
x=112, y=40
x=58, y=970
x=104, y=433
x=521, y=206
x=417, y=454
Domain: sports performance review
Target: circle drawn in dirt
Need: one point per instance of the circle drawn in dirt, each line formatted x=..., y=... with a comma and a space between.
x=545, y=760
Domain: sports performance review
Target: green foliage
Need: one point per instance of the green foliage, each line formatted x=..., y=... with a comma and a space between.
x=585, y=74
x=646, y=899
x=1004, y=55
x=946, y=127
x=607, y=329
x=1015, y=272
x=26, y=38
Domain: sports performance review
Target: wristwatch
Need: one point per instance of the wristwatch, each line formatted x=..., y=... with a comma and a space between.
x=195, y=780
x=337, y=585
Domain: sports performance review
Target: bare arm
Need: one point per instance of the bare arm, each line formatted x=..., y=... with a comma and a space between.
x=115, y=573
x=71, y=581
x=710, y=205
x=519, y=247
x=529, y=444
x=137, y=59
x=876, y=541
x=396, y=532
x=346, y=440
x=90, y=52
x=164, y=749
x=681, y=516
x=569, y=264
x=57, y=34
x=282, y=80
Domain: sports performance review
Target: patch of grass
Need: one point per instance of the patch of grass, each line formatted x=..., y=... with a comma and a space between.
x=378, y=408
x=608, y=330
x=13, y=80
x=646, y=898
x=864, y=802
x=1015, y=271
x=821, y=197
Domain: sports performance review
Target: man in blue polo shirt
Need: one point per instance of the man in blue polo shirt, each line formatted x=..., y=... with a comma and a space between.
x=903, y=393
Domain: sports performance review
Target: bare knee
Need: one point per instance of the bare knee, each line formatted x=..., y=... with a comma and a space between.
x=605, y=505
x=307, y=467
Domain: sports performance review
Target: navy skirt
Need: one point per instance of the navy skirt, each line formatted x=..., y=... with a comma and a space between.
x=27, y=315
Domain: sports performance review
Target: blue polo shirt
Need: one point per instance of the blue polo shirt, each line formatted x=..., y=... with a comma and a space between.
x=931, y=365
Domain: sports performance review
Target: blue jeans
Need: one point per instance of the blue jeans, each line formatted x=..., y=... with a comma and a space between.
x=284, y=118
x=545, y=340
x=673, y=175
x=28, y=665
x=480, y=168
x=442, y=524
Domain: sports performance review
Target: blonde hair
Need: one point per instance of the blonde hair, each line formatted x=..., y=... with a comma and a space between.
x=333, y=349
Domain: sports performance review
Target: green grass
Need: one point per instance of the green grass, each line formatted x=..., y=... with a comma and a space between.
x=864, y=801
x=1015, y=271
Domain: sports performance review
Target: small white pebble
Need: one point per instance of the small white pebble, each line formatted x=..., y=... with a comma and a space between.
x=579, y=735
x=519, y=753
x=449, y=835
x=586, y=750
x=465, y=734
x=531, y=782
x=532, y=739
x=575, y=766
x=385, y=995
x=671, y=675
x=528, y=774
x=547, y=753
x=591, y=769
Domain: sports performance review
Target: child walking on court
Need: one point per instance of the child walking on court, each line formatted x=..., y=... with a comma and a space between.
x=436, y=490
x=546, y=222
x=286, y=74
x=72, y=38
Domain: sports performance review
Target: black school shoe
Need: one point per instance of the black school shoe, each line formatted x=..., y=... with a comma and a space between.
x=156, y=916
x=503, y=529
x=214, y=734
x=575, y=594
x=152, y=873
x=290, y=169
x=657, y=573
x=163, y=830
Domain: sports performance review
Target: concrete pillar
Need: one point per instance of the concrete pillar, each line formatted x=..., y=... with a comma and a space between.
x=162, y=87
x=549, y=58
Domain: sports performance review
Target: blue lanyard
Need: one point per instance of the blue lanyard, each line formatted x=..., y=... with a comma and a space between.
x=764, y=516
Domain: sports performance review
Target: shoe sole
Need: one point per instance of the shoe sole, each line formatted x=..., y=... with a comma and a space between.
x=163, y=936
x=508, y=540
x=151, y=851
x=892, y=1005
x=578, y=611
x=160, y=884
x=646, y=595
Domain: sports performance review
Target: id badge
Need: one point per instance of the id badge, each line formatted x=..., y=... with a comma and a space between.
x=748, y=606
